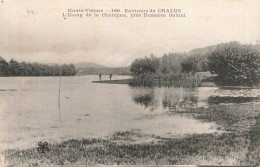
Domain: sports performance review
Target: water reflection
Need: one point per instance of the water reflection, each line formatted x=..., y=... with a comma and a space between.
x=165, y=98
x=146, y=97
x=146, y=100
x=171, y=99
x=187, y=101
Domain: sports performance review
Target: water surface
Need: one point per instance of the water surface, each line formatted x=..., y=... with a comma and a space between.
x=30, y=113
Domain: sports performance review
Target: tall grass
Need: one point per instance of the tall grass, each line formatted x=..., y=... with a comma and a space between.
x=186, y=80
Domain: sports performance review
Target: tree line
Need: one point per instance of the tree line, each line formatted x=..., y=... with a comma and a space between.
x=14, y=68
x=233, y=63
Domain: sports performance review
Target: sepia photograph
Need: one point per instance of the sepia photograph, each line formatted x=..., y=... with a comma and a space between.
x=132, y=83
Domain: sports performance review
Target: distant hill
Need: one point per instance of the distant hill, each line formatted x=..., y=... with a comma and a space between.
x=203, y=51
x=206, y=50
x=88, y=68
x=89, y=65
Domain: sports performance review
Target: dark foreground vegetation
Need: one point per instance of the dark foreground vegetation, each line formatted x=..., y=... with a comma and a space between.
x=232, y=64
x=14, y=68
x=237, y=144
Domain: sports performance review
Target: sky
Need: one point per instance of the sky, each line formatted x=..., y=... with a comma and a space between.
x=35, y=31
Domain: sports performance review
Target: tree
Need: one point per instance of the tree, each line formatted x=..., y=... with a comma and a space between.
x=171, y=63
x=3, y=67
x=236, y=64
x=14, y=68
x=189, y=65
x=195, y=63
x=145, y=65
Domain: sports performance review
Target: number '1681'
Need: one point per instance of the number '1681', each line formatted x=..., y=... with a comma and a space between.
x=115, y=10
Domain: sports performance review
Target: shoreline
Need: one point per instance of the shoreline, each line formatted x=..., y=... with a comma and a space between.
x=202, y=84
x=119, y=81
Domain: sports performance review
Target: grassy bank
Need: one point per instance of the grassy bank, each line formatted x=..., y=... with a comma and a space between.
x=238, y=145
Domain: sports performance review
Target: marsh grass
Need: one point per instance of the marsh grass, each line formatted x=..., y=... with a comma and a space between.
x=204, y=147
x=185, y=80
x=234, y=118
x=237, y=145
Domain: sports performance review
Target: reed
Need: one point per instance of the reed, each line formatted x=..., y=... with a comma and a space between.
x=185, y=80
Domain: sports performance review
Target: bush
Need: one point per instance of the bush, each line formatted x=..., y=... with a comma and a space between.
x=236, y=64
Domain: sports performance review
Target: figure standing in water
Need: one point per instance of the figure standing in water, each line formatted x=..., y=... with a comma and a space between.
x=100, y=77
x=110, y=76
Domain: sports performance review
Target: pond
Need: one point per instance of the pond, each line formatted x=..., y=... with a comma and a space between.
x=30, y=110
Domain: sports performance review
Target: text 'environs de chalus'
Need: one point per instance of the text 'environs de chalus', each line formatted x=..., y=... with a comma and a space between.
x=127, y=10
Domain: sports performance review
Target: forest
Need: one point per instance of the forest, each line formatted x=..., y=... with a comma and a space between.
x=14, y=68
x=230, y=64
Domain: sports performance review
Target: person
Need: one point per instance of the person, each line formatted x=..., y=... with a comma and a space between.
x=110, y=76
x=100, y=77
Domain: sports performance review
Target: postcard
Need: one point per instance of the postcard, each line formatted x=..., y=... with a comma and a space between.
x=140, y=82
